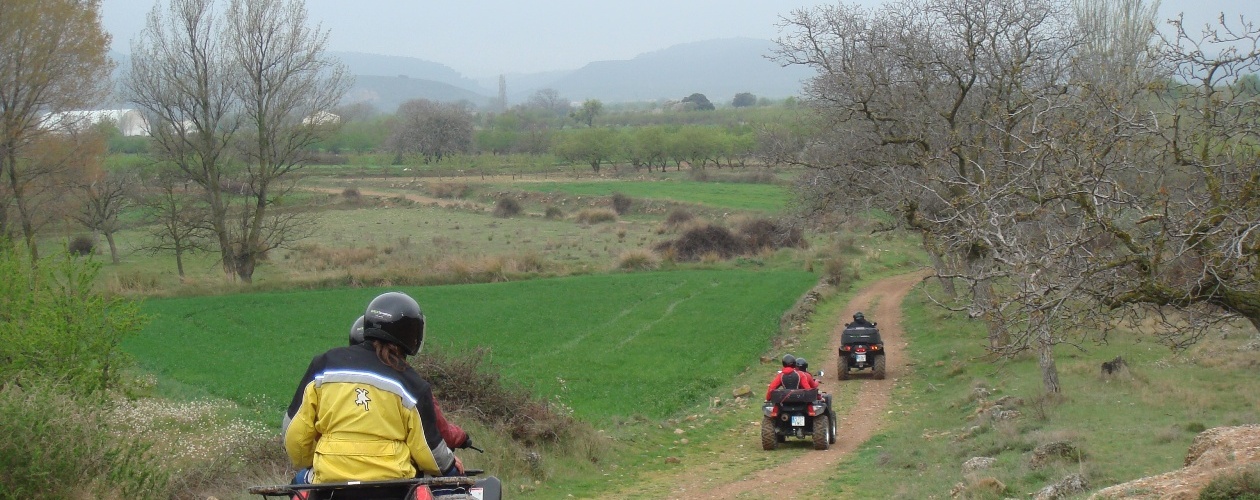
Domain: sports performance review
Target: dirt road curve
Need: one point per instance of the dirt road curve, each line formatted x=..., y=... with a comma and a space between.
x=802, y=476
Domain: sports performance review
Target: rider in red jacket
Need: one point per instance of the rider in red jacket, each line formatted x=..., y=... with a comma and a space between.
x=807, y=380
x=787, y=378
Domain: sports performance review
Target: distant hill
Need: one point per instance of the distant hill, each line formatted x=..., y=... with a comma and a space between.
x=717, y=68
x=387, y=92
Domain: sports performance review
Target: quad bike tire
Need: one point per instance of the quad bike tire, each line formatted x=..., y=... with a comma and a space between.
x=842, y=369
x=768, y=438
x=822, y=432
x=831, y=436
x=880, y=369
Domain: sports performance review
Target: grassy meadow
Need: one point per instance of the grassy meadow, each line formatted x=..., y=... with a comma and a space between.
x=609, y=345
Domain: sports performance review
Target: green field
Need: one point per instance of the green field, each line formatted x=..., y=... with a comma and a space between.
x=607, y=345
x=735, y=196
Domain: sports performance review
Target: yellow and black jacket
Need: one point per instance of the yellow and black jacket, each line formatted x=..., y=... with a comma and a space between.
x=356, y=419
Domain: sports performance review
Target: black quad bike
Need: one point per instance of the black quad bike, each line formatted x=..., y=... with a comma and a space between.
x=420, y=488
x=798, y=413
x=861, y=348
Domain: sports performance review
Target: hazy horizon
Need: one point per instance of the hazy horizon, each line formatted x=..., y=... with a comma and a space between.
x=508, y=37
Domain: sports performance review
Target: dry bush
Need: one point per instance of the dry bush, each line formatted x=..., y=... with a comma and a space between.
x=677, y=218
x=701, y=240
x=595, y=215
x=554, y=213
x=82, y=245
x=351, y=194
x=621, y=203
x=316, y=257
x=507, y=207
x=467, y=383
x=764, y=234
x=638, y=259
x=449, y=190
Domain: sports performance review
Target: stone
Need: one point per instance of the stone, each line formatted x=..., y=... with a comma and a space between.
x=977, y=463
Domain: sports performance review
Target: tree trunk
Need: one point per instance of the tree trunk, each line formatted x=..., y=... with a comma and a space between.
x=179, y=261
x=113, y=249
x=1045, y=360
x=982, y=296
x=938, y=262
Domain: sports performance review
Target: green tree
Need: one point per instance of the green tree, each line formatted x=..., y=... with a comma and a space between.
x=593, y=146
x=53, y=58
x=744, y=100
x=698, y=102
x=590, y=109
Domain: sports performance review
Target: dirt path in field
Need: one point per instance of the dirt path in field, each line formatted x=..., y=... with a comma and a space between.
x=802, y=475
x=418, y=198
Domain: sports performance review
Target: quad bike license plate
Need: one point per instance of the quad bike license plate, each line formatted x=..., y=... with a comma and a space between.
x=860, y=358
x=798, y=421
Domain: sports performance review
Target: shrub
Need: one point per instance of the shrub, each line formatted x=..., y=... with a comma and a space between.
x=554, y=213
x=507, y=207
x=56, y=326
x=621, y=203
x=466, y=382
x=1241, y=485
x=765, y=233
x=839, y=272
x=595, y=215
x=715, y=242
x=456, y=190
x=638, y=260
x=351, y=193
x=55, y=445
x=679, y=217
x=82, y=245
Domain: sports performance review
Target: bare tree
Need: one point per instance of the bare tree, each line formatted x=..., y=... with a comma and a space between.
x=287, y=88
x=181, y=78
x=52, y=59
x=104, y=195
x=179, y=221
x=431, y=129
x=235, y=105
x=551, y=101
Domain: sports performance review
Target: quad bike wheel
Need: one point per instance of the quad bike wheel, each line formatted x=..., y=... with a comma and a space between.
x=842, y=369
x=831, y=436
x=768, y=438
x=821, y=432
x=880, y=368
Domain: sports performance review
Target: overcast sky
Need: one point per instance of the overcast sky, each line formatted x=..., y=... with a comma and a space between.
x=488, y=37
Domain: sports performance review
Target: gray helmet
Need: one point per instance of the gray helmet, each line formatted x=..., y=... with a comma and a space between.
x=801, y=364
x=356, y=332
x=396, y=318
x=859, y=316
x=789, y=360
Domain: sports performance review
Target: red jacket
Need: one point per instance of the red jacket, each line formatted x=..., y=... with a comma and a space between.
x=451, y=433
x=807, y=380
x=778, y=381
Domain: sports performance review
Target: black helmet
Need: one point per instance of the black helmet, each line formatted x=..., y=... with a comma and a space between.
x=396, y=318
x=356, y=332
x=801, y=364
x=789, y=360
x=859, y=316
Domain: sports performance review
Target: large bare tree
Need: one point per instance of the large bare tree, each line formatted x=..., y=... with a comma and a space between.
x=234, y=104
x=1015, y=136
x=180, y=76
x=52, y=59
x=288, y=88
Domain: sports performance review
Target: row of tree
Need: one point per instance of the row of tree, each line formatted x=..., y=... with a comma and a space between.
x=1071, y=164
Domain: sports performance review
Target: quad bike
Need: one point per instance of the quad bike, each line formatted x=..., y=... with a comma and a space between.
x=798, y=413
x=861, y=348
x=420, y=488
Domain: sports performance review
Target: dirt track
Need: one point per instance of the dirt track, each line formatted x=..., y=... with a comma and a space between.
x=802, y=474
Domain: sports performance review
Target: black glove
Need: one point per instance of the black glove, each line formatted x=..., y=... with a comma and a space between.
x=467, y=442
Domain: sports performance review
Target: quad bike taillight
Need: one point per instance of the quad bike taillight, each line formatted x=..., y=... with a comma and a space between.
x=861, y=348
x=846, y=348
x=423, y=493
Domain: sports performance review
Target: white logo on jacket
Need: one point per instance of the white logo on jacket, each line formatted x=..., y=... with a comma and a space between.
x=362, y=399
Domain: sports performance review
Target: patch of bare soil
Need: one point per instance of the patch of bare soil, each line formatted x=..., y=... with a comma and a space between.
x=1214, y=452
x=800, y=472
x=417, y=198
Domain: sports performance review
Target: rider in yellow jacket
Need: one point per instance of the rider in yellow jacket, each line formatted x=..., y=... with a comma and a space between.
x=361, y=414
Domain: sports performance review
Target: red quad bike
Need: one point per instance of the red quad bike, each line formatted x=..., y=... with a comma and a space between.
x=420, y=488
x=798, y=413
x=861, y=348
